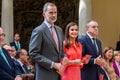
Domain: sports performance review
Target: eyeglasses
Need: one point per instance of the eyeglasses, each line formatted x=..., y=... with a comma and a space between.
x=2, y=35
x=9, y=50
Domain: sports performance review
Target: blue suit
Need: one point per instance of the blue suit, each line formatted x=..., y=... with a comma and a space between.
x=13, y=44
x=20, y=68
x=7, y=73
x=90, y=70
x=43, y=51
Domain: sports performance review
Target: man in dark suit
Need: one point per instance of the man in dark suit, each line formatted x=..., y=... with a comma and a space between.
x=46, y=48
x=92, y=46
x=22, y=60
x=10, y=50
x=8, y=71
x=16, y=43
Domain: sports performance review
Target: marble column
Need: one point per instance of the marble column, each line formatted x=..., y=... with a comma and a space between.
x=7, y=19
x=84, y=15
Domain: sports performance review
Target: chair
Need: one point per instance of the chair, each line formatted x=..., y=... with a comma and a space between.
x=27, y=76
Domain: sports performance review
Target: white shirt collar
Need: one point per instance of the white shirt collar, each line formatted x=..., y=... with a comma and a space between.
x=16, y=41
x=20, y=62
x=48, y=25
x=89, y=35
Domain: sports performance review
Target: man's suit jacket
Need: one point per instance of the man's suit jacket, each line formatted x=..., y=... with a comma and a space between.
x=116, y=68
x=90, y=70
x=7, y=73
x=43, y=51
x=21, y=68
x=13, y=44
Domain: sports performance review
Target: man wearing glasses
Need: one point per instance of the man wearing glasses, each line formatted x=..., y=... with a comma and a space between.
x=8, y=71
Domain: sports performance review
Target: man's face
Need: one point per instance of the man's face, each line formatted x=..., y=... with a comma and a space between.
x=92, y=29
x=17, y=37
x=51, y=14
x=2, y=36
x=9, y=49
x=24, y=57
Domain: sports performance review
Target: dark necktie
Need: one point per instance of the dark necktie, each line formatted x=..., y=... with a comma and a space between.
x=25, y=69
x=4, y=57
x=95, y=44
x=54, y=36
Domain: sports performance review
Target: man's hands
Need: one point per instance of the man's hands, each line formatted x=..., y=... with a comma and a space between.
x=65, y=61
x=61, y=66
x=99, y=61
x=86, y=58
x=58, y=66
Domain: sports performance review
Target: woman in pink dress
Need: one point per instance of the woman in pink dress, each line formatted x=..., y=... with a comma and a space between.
x=73, y=50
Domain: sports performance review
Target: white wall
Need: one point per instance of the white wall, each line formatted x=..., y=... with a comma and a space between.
x=107, y=13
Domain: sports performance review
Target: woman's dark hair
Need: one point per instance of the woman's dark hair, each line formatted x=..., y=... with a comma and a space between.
x=106, y=50
x=67, y=37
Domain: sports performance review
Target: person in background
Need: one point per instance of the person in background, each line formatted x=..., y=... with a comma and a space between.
x=118, y=46
x=116, y=62
x=108, y=54
x=73, y=50
x=8, y=70
x=46, y=46
x=16, y=43
x=91, y=46
x=10, y=50
x=22, y=59
x=14, y=51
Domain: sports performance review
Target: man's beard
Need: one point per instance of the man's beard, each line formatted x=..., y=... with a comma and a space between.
x=51, y=20
x=54, y=20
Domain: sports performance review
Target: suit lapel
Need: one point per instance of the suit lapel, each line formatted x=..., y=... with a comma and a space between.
x=15, y=45
x=89, y=41
x=5, y=66
x=2, y=60
x=99, y=47
x=49, y=35
x=9, y=60
x=91, y=44
x=58, y=36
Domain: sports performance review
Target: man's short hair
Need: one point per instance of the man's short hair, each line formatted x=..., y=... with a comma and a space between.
x=46, y=5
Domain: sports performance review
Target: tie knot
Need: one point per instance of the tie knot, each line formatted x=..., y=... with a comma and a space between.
x=93, y=38
x=52, y=27
x=24, y=65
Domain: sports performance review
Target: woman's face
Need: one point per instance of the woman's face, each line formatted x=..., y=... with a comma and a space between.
x=73, y=32
x=109, y=54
